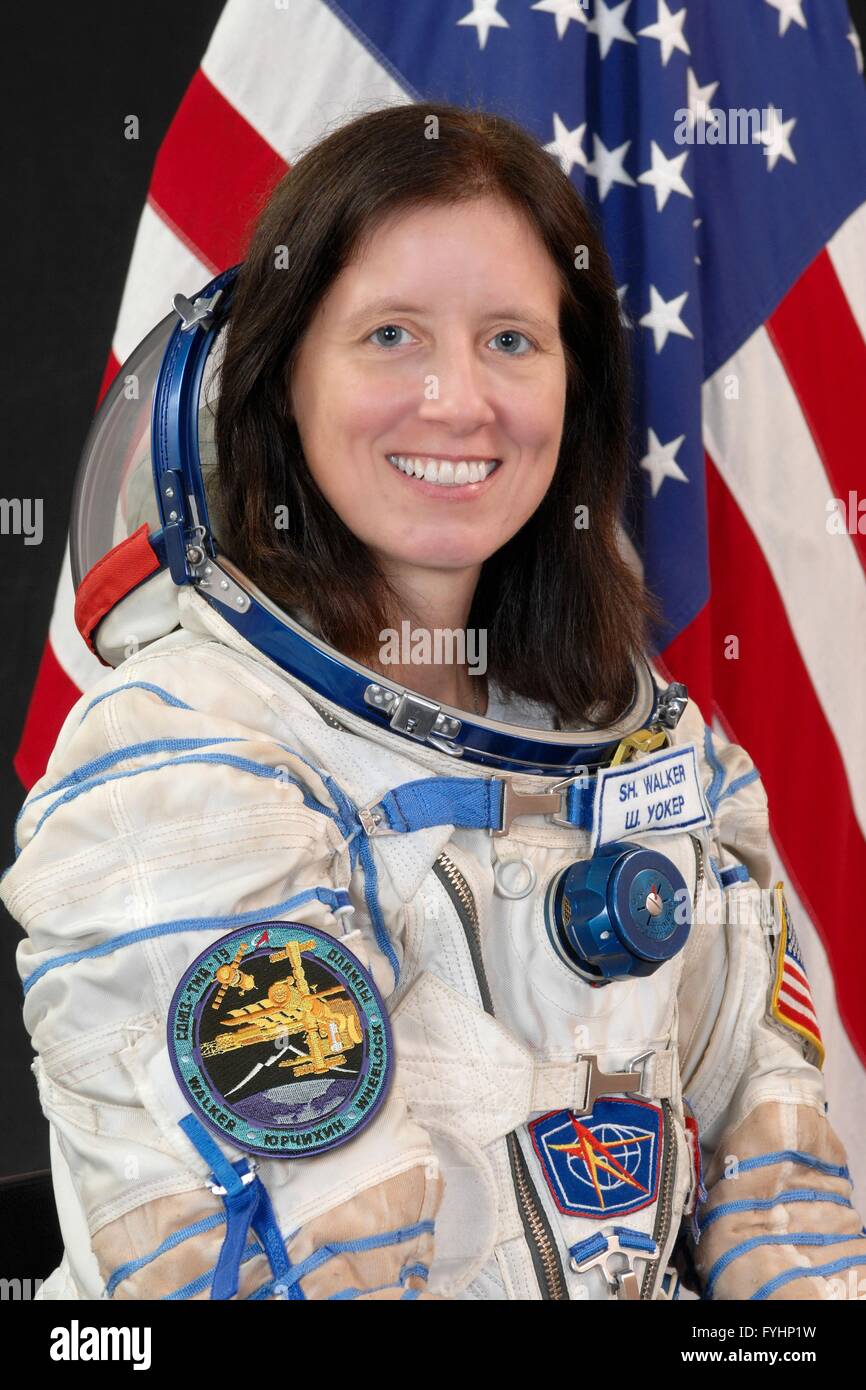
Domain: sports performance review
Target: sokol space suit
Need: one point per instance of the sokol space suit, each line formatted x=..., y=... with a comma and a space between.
x=462, y=1072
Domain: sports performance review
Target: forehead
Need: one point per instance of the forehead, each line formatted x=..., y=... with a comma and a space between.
x=461, y=251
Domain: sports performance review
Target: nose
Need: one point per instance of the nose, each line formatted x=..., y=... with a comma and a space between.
x=457, y=390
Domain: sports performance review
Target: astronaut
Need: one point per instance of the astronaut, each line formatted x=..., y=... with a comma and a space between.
x=357, y=980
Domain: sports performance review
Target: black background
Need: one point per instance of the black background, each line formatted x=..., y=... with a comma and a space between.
x=74, y=189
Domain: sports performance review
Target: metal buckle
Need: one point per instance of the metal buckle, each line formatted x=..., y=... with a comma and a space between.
x=246, y=1178
x=414, y=716
x=602, y=1083
x=371, y=817
x=518, y=803
x=623, y=1282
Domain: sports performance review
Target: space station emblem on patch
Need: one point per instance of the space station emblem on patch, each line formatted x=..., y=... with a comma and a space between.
x=602, y=1164
x=280, y=1040
x=790, y=995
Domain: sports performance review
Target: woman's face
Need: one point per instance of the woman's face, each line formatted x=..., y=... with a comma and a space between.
x=439, y=345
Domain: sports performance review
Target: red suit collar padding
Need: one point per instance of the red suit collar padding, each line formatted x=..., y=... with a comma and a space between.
x=110, y=580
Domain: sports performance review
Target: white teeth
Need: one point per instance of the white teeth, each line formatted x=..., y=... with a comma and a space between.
x=443, y=471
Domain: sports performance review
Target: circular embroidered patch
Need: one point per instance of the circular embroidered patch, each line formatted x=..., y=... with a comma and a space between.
x=280, y=1039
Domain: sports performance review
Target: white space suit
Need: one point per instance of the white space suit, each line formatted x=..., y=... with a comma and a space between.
x=196, y=790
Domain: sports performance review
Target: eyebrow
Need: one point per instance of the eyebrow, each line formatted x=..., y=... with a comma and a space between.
x=374, y=308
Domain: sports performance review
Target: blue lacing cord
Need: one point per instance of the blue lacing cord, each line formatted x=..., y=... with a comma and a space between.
x=165, y=695
x=328, y=896
x=806, y=1194
x=339, y=1247
x=785, y=1238
x=207, y=1280
x=821, y=1271
x=418, y=1270
x=196, y=1228
x=807, y=1160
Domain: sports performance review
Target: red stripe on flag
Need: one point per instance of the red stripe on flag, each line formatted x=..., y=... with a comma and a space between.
x=796, y=975
x=53, y=696
x=820, y=345
x=802, y=1019
x=797, y=996
x=765, y=702
x=689, y=657
x=112, y=367
x=212, y=175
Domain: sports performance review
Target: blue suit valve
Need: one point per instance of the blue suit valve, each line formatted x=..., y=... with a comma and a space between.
x=620, y=914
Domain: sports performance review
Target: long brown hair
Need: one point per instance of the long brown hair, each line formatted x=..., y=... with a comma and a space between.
x=565, y=614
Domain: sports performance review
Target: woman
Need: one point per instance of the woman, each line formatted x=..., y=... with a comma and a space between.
x=504, y=1020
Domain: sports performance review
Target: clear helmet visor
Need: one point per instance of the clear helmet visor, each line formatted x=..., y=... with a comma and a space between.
x=114, y=488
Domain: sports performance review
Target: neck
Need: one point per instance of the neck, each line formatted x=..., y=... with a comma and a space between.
x=429, y=649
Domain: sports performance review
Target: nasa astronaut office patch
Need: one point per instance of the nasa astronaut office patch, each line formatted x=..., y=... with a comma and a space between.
x=280, y=1040
x=602, y=1164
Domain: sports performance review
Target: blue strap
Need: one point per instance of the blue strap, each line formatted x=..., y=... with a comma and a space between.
x=472, y=803
x=247, y=1204
x=635, y=1240
x=736, y=873
x=591, y=1245
x=598, y=1242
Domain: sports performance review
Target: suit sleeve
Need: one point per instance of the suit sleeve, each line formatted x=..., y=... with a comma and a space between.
x=778, y=1218
x=174, y=809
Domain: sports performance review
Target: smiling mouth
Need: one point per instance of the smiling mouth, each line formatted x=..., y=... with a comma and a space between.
x=442, y=472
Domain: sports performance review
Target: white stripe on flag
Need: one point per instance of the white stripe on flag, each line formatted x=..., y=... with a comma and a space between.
x=294, y=73
x=847, y=251
x=785, y=997
x=768, y=460
x=161, y=264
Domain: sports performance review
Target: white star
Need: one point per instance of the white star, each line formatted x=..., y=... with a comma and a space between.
x=775, y=137
x=484, y=17
x=606, y=166
x=700, y=102
x=854, y=40
x=567, y=144
x=609, y=25
x=665, y=176
x=623, y=316
x=565, y=11
x=664, y=318
x=789, y=10
x=668, y=29
x=660, y=461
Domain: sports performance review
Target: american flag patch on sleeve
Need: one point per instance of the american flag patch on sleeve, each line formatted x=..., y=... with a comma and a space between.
x=791, y=998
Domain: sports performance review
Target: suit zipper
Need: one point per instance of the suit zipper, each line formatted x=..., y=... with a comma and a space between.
x=662, y=1225
x=539, y=1237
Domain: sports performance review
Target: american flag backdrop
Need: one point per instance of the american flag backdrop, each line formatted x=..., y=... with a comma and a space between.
x=742, y=271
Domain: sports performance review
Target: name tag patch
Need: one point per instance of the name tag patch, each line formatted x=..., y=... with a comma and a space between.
x=280, y=1040
x=660, y=794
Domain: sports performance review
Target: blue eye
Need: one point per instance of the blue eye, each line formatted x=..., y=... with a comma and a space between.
x=513, y=333
x=387, y=328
